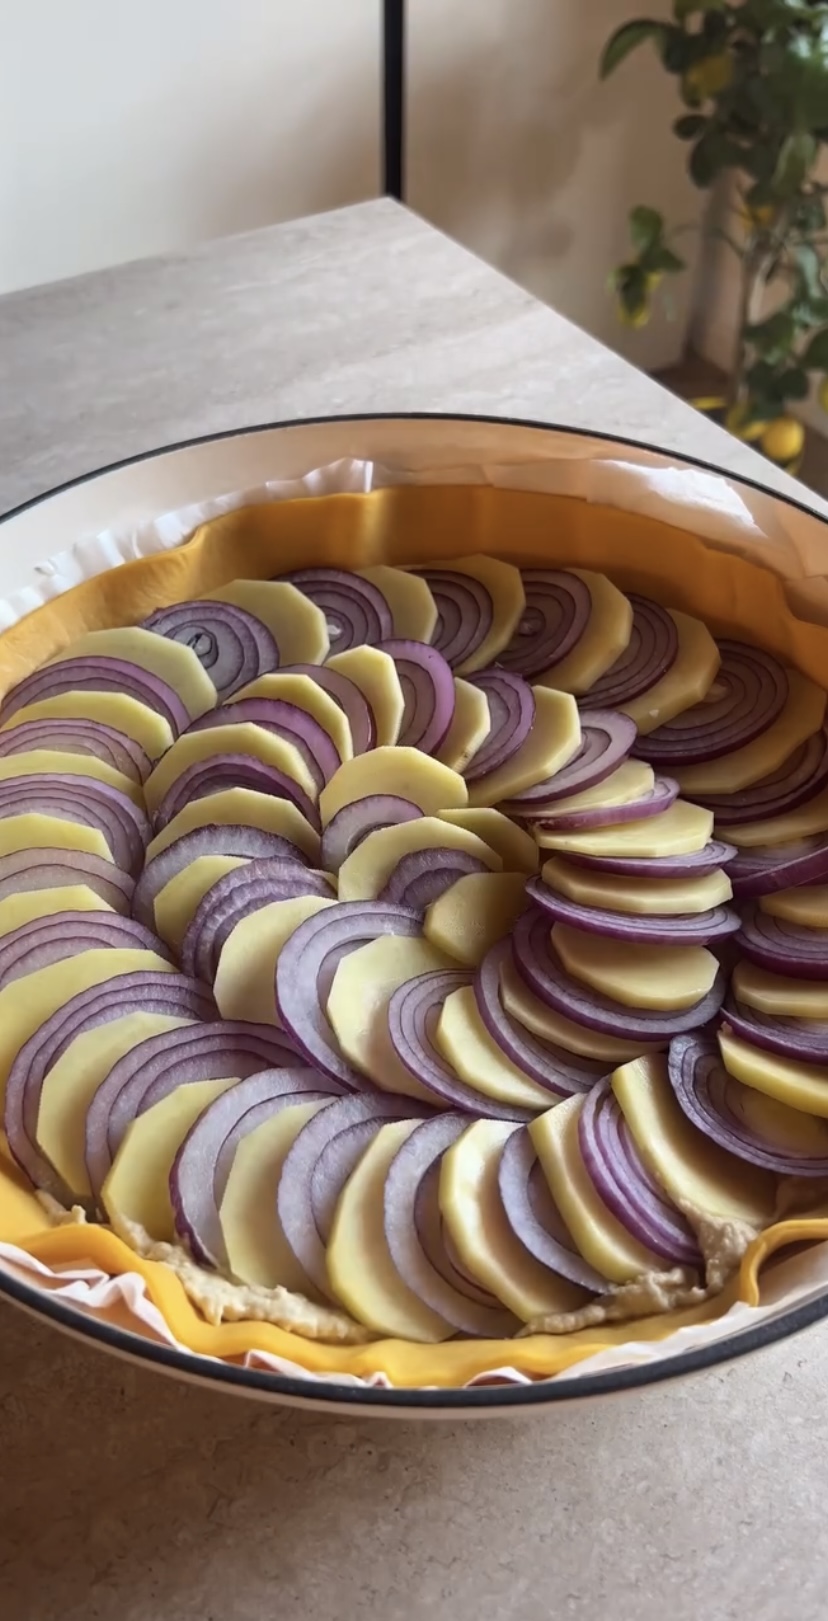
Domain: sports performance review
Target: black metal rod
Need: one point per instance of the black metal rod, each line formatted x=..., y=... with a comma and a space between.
x=393, y=90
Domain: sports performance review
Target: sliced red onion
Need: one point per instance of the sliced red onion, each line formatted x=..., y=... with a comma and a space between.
x=287, y=720
x=354, y=822
x=408, y=1170
x=214, y=839
x=232, y=771
x=413, y=1013
x=769, y=868
x=465, y=612
x=660, y=797
x=607, y=737
x=620, y=1177
x=89, y=737
x=801, y=777
x=534, y=1217
x=53, y=869
x=231, y=644
x=53, y=938
x=194, y=1193
x=140, y=991
x=783, y=947
x=305, y=969
x=650, y=653
x=235, y=896
x=511, y=704
x=805, y=1040
x=86, y=801
x=352, y=701
x=355, y=610
x=539, y=965
x=193, y=1052
x=715, y=1102
x=699, y=862
x=422, y=876
x=747, y=696
x=98, y=673
x=686, y=928
x=557, y=612
x=561, y=1072
x=440, y=1248
x=428, y=693
x=337, y=1161
x=294, y=1199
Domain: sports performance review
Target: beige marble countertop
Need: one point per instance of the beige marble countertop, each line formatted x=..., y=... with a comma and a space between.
x=127, y=1497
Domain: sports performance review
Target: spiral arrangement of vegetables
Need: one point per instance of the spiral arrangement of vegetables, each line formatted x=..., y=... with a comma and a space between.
x=447, y=945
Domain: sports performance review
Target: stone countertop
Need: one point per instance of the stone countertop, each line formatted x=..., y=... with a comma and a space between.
x=127, y=1497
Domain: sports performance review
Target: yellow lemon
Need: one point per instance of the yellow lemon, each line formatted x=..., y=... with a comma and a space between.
x=637, y=317
x=708, y=77
x=737, y=423
x=822, y=394
x=783, y=439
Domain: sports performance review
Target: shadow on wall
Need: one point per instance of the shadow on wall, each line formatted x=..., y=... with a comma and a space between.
x=519, y=152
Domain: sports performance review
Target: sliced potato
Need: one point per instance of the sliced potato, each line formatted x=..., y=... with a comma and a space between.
x=296, y=624
x=403, y=771
x=605, y=638
x=466, y=1045
x=37, y=762
x=516, y=848
x=802, y=715
x=257, y=1250
x=807, y=907
x=504, y=585
x=630, y=781
x=255, y=741
x=660, y=977
x=36, y=832
x=777, y=995
x=642, y=897
x=30, y=904
x=366, y=871
x=474, y=913
x=470, y=726
x=548, y=1025
x=801, y=823
x=306, y=694
x=474, y=1215
x=176, y=904
x=375, y=673
x=244, y=983
x=687, y=682
x=413, y=608
x=362, y=1273
x=357, y=1006
x=553, y=740
x=137, y=1186
x=245, y=807
x=799, y=1086
x=171, y=661
x=678, y=831
x=136, y=720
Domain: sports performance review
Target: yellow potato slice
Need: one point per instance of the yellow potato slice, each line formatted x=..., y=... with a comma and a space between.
x=171, y=661
x=413, y=608
x=600, y=1237
x=605, y=638
x=802, y=715
x=474, y=913
x=306, y=694
x=136, y=720
x=362, y=1273
x=696, y=1173
x=36, y=762
x=375, y=673
x=678, y=831
x=27, y=1003
x=548, y=1025
x=257, y=1250
x=176, y=904
x=470, y=726
x=644, y=897
x=30, y=904
x=245, y=807
x=404, y=771
x=516, y=848
x=193, y=747
x=137, y=1186
x=659, y=977
x=72, y=1082
x=357, y=1007
x=36, y=832
x=776, y=994
x=631, y=781
x=797, y=1085
x=795, y=824
x=505, y=587
x=296, y=624
x=466, y=1045
x=490, y=1252
x=687, y=682
x=366, y=871
x=808, y=907
x=555, y=737
x=244, y=983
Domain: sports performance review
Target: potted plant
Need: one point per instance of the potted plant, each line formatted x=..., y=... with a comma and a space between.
x=753, y=77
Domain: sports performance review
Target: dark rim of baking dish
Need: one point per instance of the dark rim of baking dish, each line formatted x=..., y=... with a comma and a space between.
x=322, y=1392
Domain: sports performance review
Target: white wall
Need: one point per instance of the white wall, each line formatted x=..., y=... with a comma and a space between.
x=130, y=127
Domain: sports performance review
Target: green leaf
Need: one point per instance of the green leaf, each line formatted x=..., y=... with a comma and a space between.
x=816, y=354
x=627, y=38
x=809, y=215
x=662, y=258
x=686, y=8
x=794, y=161
x=646, y=228
x=793, y=383
x=710, y=156
x=689, y=126
x=773, y=336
